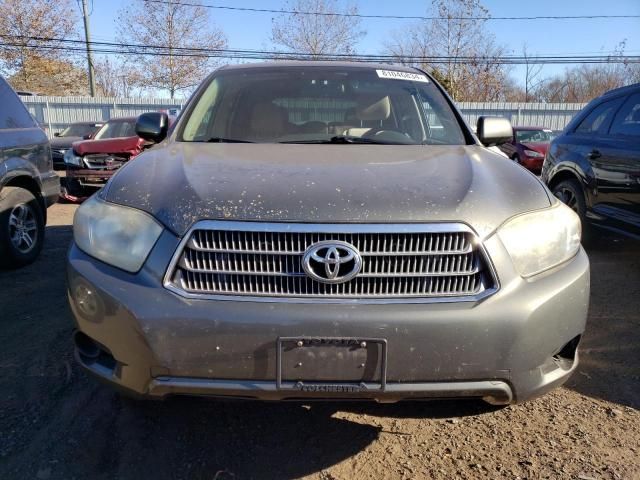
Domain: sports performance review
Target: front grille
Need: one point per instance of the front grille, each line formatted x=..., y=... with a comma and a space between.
x=104, y=161
x=58, y=155
x=247, y=259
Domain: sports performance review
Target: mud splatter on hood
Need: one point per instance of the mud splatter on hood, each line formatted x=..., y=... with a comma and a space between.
x=181, y=183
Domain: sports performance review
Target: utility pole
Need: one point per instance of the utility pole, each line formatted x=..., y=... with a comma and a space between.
x=92, y=81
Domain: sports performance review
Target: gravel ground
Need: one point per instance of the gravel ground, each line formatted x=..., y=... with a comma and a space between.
x=57, y=423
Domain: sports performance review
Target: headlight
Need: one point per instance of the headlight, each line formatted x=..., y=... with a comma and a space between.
x=117, y=235
x=533, y=154
x=72, y=159
x=541, y=240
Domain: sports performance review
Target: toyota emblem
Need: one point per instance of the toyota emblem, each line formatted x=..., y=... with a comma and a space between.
x=331, y=261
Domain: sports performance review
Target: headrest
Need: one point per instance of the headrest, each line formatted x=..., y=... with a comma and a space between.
x=268, y=119
x=373, y=108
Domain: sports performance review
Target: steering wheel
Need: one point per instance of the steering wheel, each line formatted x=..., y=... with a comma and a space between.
x=375, y=130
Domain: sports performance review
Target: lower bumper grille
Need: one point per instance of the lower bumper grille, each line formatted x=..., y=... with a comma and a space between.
x=245, y=259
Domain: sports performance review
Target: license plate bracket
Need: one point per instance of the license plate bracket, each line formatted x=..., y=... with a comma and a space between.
x=331, y=364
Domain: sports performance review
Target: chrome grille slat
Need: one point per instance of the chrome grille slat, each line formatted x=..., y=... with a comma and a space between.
x=265, y=260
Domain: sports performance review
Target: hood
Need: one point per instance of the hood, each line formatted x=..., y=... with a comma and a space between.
x=63, y=142
x=537, y=146
x=181, y=183
x=131, y=145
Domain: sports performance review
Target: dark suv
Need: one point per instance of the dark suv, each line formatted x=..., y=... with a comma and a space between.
x=73, y=133
x=28, y=184
x=594, y=165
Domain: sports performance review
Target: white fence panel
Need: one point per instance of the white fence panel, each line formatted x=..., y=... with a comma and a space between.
x=56, y=113
x=554, y=116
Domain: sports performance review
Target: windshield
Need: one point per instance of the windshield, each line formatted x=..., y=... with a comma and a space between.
x=78, y=130
x=322, y=105
x=117, y=129
x=533, y=136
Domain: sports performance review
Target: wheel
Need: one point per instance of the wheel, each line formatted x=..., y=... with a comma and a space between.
x=21, y=227
x=571, y=194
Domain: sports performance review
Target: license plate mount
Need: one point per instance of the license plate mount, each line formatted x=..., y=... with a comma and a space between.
x=331, y=364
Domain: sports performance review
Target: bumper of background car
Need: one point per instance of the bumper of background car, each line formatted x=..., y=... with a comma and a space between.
x=512, y=346
x=533, y=164
x=50, y=188
x=90, y=177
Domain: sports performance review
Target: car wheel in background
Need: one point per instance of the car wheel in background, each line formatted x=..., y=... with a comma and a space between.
x=570, y=193
x=21, y=227
x=516, y=158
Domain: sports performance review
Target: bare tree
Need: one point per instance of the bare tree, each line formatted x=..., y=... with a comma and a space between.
x=113, y=79
x=532, y=74
x=465, y=47
x=585, y=82
x=317, y=35
x=31, y=31
x=173, y=27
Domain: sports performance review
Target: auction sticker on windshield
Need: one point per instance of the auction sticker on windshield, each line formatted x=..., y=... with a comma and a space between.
x=396, y=75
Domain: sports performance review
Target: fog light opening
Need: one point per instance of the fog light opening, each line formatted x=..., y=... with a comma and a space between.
x=86, y=346
x=567, y=354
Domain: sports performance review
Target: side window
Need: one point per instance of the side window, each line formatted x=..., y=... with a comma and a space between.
x=13, y=113
x=597, y=122
x=627, y=120
x=128, y=129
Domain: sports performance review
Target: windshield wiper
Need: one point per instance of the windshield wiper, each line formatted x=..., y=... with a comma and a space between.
x=227, y=140
x=344, y=139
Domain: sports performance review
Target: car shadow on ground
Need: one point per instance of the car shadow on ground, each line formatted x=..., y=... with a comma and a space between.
x=239, y=439
x=609, y=366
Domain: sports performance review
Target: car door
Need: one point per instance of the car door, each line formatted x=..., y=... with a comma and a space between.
x=592, y=147
x=619, y=190
x=24, y=148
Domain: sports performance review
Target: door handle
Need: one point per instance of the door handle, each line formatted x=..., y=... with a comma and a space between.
x=593, y=154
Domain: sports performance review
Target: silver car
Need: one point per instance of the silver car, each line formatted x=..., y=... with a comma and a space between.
x=327, y=230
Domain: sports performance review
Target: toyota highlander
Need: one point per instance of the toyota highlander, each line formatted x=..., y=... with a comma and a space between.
x=326, y=230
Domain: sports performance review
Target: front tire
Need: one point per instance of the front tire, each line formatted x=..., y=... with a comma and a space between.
x=571, y=194
x=21, y=227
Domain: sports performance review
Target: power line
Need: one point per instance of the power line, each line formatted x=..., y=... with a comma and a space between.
x=116, y=48
x=390, y=17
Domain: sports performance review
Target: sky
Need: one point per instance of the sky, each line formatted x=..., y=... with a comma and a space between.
x=585, y=36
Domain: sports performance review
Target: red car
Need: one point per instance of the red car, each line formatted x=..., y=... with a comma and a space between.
x=528, y=147
x=90, y=163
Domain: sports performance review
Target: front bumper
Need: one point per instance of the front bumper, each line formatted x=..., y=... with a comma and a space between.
x=533, y=164
x=50, y=187
x=507, y=348
x=90, y=177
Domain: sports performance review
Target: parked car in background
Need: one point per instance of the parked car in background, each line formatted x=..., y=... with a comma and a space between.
x=304, y=233
x=28, y=184
x=90, y=163
x=528, y=146
x=63, y=140
x=594, y=165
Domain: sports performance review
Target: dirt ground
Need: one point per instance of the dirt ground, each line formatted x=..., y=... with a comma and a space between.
x=57, y=423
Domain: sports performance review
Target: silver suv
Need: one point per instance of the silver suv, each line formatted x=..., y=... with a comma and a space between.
x=28, y=184
x=327, y=230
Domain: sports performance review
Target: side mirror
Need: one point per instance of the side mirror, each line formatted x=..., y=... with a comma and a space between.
x=57, y=134
x=152, y=126
x=494, y=130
